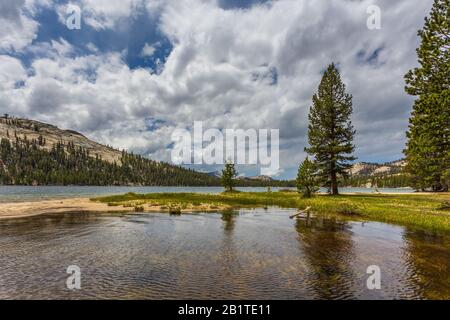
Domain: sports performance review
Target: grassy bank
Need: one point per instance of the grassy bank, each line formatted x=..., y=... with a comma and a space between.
x=429, y=211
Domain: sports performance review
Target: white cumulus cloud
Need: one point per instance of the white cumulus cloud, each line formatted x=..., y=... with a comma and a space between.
x=254, y=68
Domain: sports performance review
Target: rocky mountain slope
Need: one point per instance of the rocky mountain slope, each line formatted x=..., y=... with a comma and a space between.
x=38, y=153
x=390, y=175
x=376, y=169
x=10, y=127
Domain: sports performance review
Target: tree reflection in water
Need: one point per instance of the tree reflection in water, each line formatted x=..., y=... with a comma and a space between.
x=328, y=249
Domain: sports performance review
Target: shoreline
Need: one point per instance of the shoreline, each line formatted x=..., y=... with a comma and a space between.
x=12, y=209
x=422, y=210
x=24, y=209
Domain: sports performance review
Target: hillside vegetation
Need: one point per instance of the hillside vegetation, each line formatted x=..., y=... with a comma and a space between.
x=35, y=153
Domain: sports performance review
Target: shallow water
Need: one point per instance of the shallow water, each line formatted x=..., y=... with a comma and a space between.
x=31, y=193
x=254, y=254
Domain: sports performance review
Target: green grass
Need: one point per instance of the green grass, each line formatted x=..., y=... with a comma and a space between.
x=428, y=211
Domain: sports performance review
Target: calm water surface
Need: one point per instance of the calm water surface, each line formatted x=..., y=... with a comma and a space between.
x=30, y=193
x=252, y=254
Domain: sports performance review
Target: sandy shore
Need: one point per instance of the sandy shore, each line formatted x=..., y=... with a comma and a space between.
x=28, y=209
x=12, y=210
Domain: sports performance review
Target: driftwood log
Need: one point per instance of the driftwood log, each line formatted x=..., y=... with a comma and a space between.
x=299, y=213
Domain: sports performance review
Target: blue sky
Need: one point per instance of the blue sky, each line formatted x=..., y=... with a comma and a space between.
x=138, y=69
x=132, y=35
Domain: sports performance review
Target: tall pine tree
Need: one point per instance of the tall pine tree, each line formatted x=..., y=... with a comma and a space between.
x=330, y=132
x=428, y=147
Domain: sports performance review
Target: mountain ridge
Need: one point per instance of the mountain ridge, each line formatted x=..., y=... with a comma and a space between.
x=372, y=168
x=32, y=129
x=12, y=127
x=37, y=153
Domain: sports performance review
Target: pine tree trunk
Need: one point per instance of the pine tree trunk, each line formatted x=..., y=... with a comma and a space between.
x=334, y=185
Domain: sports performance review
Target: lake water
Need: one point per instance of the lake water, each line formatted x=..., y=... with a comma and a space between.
x=252, y=254
x=30, y=193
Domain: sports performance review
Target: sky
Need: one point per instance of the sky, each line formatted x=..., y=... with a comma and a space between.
x=136, y=70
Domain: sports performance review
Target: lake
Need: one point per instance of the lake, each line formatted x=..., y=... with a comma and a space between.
x=30, y=193
x=249, y=254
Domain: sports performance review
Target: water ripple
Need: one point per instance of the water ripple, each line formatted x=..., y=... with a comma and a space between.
x=256, y=254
